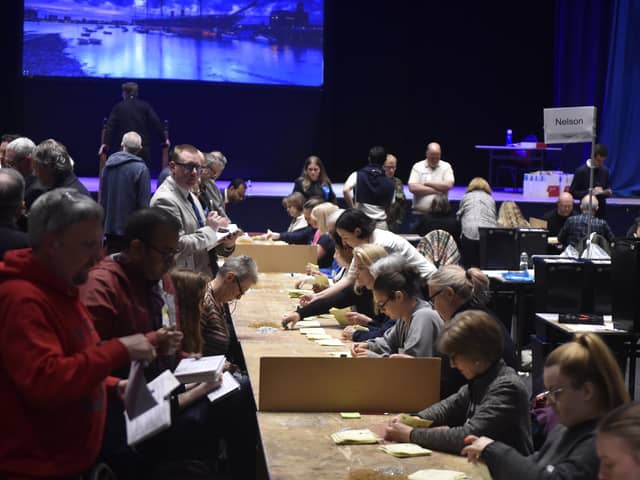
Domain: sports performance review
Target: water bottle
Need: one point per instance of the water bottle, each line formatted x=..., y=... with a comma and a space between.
x=524, y=262
x=509, y=137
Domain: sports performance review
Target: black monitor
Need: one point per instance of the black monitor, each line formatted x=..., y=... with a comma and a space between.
x=625, y=284
x=598, y=293
x=499, y=249
x=559, y=285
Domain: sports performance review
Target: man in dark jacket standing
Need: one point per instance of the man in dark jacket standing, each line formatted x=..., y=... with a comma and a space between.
x=133, y=115
x=124, y=188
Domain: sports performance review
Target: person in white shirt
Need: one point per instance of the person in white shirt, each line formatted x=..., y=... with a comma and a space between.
x=429, y=177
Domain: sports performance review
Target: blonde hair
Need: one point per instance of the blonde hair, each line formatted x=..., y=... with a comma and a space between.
x=321, y=213
x=479, y=183
x=467, y=285
x=190, y=287
x=367, y=255
x=587, y=359
x=510, y=216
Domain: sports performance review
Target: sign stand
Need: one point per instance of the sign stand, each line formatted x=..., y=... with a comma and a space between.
x=574, y=125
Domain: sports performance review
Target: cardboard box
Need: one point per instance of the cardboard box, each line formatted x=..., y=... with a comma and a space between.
x=372, y=385
x=279, y=258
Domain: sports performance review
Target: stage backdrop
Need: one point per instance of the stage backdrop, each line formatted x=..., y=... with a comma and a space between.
x=399, y=74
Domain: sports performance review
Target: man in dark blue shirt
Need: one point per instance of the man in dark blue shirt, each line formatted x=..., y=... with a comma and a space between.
x=575, y=228
x=580, y=184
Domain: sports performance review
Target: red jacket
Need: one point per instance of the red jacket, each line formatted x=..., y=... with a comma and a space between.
x=122, y=302
x=53, y=372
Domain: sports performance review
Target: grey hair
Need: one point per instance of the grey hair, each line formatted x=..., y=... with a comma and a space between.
x=58, y=209
x=11, y=193
x=584, y=203
x=242, y=266
x=23, y=147
x=54, y=155
x=215, y=157
x=131, y=142
x=467, y=285
x=388, y=264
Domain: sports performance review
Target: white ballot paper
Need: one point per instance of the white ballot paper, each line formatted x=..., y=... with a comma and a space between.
x=203, y=369
x=156, y=418
x=229, y=384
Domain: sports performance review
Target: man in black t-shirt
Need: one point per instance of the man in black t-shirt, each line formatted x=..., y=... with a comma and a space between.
x=556, y=217
x=580, y=185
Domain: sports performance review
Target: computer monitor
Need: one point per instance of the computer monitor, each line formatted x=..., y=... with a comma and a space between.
x=559, y=285
x=625, y=284
x=597, y=296
x=498, y=249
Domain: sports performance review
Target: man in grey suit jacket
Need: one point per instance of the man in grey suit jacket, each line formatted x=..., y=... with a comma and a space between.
x=198, y=232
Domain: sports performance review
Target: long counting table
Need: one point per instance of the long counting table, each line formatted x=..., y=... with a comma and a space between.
x=298, y=445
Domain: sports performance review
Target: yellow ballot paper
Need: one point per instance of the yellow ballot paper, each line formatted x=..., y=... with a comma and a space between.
x=404, y=450
x=350, y=415
x=435, y=474
x=354, y=437
x=307, y=324
x=330, y=342
x=308, y=330
x=297, y=293
x=340, y=314
x=360, y=328
x=319, y=336
x=415, y=421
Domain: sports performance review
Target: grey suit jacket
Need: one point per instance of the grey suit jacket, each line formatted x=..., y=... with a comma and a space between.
x=194, y=241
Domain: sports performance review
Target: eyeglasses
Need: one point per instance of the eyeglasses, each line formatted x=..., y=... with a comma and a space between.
x=165, y=254
x=430, y=299
x=552, y=394
x=388, y=167
x=239, y=286
x=190, y=166
x=383, y=304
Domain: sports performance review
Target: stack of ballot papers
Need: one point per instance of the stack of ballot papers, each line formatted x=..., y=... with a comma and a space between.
x=204, y=369
x=307, y=324
x=354, y=437
x=415, y=421
x=148, y=422
x=404, y=450
x=310, y=330
x=435, y=474
x=224, y=232
x=297, y=292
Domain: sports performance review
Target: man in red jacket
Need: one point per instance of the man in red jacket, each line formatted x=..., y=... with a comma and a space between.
x=53, y=367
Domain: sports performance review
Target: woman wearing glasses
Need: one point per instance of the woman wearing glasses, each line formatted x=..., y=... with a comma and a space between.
x=584, y=382
x=396, y=293
x=495, y=401
x=235, y=277
x=452, y=290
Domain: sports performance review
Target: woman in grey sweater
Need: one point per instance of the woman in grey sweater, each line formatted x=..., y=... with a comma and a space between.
x=477, y=209
x=584, y=382
x=494, y=402
x=396, y=292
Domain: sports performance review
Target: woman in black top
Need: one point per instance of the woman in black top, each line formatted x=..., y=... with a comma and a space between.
x=314, y=181
x=584, y=382
x=453, y=290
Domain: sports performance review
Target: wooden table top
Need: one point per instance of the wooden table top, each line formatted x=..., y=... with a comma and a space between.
x=298, y=445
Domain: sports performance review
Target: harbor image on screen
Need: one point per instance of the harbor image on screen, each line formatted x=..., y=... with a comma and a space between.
x=240, y=41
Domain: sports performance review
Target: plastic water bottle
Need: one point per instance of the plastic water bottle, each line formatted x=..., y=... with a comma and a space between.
x=509, y=137
x=524, y=262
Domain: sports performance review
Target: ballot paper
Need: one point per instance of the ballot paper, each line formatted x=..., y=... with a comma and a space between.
x=137, y=397
x=350, y=415
x=330, y=342
x=224, y=232
x=204, y=369
x=318, y=336
x=229, y=384
x=156, y=418
x=354, y=437
x=343, y=354
x=435, y=474
x=297, y=292
x=404, y=450
x=308, y=330
x=415, y=421
x=307, y=324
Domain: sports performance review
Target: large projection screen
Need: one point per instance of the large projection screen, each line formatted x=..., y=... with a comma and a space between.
x=251, y=42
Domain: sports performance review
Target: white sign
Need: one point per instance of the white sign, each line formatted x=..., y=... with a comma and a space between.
x=569, y=125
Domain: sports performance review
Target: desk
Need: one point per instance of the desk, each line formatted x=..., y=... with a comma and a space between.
x=507, y=154
x=521, y=311
x=298, y=445
x=550, y=333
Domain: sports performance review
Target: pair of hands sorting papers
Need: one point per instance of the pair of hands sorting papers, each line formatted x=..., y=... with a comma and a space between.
x=148, y=406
